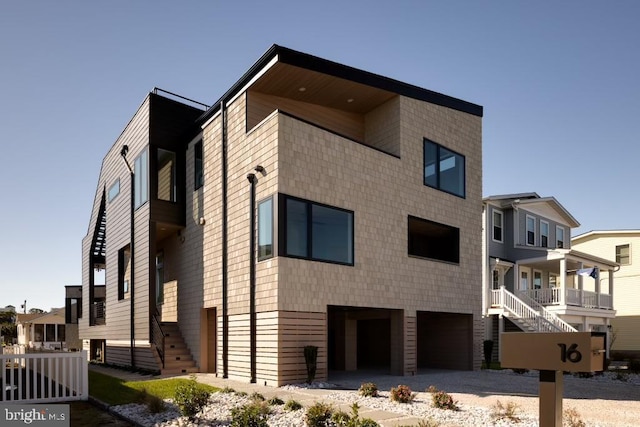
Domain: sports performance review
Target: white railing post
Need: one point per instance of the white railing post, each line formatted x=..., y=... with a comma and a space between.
x=84, y=364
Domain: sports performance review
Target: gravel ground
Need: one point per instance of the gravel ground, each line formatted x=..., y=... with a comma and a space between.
x=601, y=401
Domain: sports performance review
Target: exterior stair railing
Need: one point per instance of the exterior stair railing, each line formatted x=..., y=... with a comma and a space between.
x=157, y=336
x=551, y=317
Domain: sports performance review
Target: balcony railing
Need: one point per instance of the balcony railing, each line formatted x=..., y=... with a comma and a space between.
x=573, y=297
x=99, y=312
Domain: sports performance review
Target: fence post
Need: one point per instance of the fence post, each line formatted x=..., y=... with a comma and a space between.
x=84, y=368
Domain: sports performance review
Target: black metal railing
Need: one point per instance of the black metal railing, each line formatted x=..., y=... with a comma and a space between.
x=157, y=336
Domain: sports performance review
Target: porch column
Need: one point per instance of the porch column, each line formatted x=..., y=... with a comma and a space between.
x=580, y=279
x=598, y=290
x=563, y=284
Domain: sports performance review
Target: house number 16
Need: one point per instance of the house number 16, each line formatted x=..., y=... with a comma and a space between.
x=571, y=353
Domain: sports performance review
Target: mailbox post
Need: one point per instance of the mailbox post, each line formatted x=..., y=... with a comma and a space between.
x=552, y=353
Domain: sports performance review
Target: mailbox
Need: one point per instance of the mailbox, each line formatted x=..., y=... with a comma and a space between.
x=551, y=351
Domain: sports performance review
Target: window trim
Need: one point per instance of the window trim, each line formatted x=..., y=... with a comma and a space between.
x=526, y=230
x=273, y=239
x=542, y=235
x=282, y=229
x=493, y=225
x=437, y=172
x=198, y=183
x=628, y=245
x=563, y=237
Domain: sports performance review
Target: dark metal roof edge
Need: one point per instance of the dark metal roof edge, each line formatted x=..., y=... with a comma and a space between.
x=325, y=66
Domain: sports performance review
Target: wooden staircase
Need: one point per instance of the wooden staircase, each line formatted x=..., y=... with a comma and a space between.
x=177, y=356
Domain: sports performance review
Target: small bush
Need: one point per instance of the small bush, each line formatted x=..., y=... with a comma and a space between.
x=402, y=394
x=190, y=398
x=276, y=401
x=634, y=366
x=520, y=371
x=572, y=418
x=342, y=419
x=622, y=376
x=252, y=415
x=154, y=404
x=292, y=405
x=227, y=390
x=242, y=393
x=257, y=397
x=318, y=414
x=442, y=400
x=424, y=423
x=509, y=411
x=368, y=390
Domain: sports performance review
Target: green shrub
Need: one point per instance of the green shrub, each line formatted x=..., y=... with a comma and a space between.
x=442, y=400
x=292, y=405
x=424, y=423
x=487, y=347
x=257, y=397
x=310, y=358
x=505, y=412
x=251, y=415
x=318, y=414
x=368, y=390
x=154, y=404
x=520, y=371
x=242, y=393
x=227, y=390
x=190, y=398
x=402, y=394
x=342, y=419
x=276, y=401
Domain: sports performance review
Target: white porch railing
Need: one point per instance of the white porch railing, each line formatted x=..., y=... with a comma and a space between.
x=504, y=299
x=549, y=316
x=44, y=377
x=575, y=297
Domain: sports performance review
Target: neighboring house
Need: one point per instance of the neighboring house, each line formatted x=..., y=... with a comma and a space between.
x=624, y=247
x=73, y=312
x=42, y=330
x=313, y=204
x=533, y=279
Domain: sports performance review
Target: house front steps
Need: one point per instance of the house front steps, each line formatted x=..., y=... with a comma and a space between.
x=177, y=356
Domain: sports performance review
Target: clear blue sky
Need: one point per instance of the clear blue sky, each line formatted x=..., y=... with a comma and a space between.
x=559, y=82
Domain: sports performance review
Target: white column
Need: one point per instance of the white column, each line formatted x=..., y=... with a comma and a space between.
x=580, y=278
x=611, y=286
x=563, y=281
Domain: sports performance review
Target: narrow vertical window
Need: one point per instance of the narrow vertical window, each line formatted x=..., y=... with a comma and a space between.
x=531, y=231
x=544, y=234
x=114, y=190
x=297, y=228
x=198, y=166
x=160, y=278
x=497, y=225
x=559, y=237
x=124, y=271
x=141, y=183
x=265, y=229
x=166, y=175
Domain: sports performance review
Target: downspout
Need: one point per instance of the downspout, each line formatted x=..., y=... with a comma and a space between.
x=123, y=153
x=225, y=305
x=252, y=277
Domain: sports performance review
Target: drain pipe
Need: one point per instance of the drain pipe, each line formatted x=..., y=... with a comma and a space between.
x=225, y=305
x=252, y=275
x=123, y=153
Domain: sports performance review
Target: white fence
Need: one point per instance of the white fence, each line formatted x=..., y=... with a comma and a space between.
x=44, y=377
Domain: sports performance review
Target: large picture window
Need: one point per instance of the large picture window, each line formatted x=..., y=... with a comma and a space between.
x=444, y=169
x=265, y=229
x=317, y=232
x=429, y=239
x=141, y=183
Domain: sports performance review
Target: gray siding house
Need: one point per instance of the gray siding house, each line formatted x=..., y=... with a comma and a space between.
x=532, y=279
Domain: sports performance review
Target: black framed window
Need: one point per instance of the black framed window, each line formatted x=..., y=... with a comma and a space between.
x=315, y=231
x=265, y=229
x=444, y=169
x=124, y=271
x=141, y=183
x=429, y=239
x=198, y=166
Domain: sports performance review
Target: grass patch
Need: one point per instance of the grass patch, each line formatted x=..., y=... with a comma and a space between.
x=115, y=391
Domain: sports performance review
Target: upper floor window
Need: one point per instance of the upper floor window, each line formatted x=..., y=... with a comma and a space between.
x=124, y=271
x=544, y=234
x=114, y=190
x=622, y=255
x=141, y=182
x=531, y=231
x=433, y=240
x=317, y=232
x=443, y=169
x=265, y=229
x=198, y=166
x=559, y=237
x=498, y=225
x=166, y=175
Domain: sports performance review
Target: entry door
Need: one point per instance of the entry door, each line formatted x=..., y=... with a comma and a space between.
x=524, y=278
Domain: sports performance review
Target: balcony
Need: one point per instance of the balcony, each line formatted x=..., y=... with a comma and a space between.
x=99, y=311
x=572, y=297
